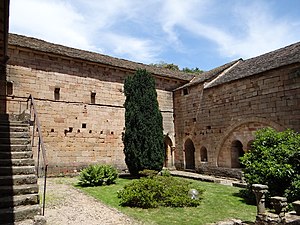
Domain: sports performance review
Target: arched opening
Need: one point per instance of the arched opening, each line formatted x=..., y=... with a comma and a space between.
x=236, y=152
x=168, y=152
x=189, y=154
x=249, y=145
x=203, y=154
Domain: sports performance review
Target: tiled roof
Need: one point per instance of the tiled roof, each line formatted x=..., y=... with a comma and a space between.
x=272, y=60
x=209, y=75
x=43, y=46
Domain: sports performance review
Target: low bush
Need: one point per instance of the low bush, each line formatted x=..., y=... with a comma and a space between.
x=148, y=173
x=151, y=192
x=97, y=175
x=165, y=173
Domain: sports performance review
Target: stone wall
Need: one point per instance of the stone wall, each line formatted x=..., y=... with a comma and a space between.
x=4, y=14
x=80, y=105
x=224, y=117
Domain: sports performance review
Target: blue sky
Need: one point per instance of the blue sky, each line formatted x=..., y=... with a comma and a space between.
x=188, y=33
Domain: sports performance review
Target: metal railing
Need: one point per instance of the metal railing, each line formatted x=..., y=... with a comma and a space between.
x=40, y=146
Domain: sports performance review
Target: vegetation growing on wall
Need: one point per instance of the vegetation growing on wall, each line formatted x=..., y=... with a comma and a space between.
x=274, y=160
x=143, y=137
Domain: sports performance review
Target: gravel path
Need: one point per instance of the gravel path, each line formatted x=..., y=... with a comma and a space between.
x=67, y=205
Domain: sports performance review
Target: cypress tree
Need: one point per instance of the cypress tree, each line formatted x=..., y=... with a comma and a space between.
x=143, y=137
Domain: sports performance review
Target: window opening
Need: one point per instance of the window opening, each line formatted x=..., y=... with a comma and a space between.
x=185, y=91
x=93, y=97
x=56, y=94
x=9, y=88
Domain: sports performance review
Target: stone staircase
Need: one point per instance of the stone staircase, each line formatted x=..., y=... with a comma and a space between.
x=19, y=199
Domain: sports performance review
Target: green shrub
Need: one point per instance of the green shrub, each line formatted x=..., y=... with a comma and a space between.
x=293, y=192
x=97, y=175
x=165, y=172
x=148, y=173
x=151, y=192
x=274, y=161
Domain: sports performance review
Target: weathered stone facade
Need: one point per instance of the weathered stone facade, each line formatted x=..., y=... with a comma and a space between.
x=80, y=105
x=215, y=118
x=208, y=121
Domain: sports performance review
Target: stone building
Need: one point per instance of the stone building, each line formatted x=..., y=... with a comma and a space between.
x=80, y=99
x=217, y=114
x=209, y=121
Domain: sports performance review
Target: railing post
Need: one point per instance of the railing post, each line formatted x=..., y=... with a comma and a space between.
x=38, y=156
x=44, y=195
x=40, y=147
x=33, y=130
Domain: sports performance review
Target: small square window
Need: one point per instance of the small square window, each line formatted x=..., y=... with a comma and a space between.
x=56, y=93
x=185, y=91
x=83, y=125
x=9, y=88
x=93, y=97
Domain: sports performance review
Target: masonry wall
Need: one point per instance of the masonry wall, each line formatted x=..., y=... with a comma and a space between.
x=78, y=130
x=225, y=117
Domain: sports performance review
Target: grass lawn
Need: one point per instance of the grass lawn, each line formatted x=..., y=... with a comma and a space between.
x=219, y=203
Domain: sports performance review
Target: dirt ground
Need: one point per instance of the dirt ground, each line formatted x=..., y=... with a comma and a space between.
x=67, y=205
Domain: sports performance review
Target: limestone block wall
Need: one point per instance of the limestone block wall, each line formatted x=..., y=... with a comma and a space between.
x=80, y=105
x=219, y=118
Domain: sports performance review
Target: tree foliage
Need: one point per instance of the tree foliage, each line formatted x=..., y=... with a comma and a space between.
x=274, y=160
x=143, y=137
x=175, y=67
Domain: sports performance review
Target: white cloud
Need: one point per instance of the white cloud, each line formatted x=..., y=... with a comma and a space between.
x=263, y=31
x=143, y=30
x=55, y=21
x=131, y=48
x=257, y=29
x=89, y=25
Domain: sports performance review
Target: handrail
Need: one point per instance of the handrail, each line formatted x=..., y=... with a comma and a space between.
x=41, y=146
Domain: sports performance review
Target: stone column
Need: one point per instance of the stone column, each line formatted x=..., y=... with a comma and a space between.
x=296, y=206
x=260, y=191
x=279, y=204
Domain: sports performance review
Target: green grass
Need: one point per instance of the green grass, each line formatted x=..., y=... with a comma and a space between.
x=219, y=203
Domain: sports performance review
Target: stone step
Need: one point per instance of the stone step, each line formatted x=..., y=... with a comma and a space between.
x=18, y=179
x=18, y=189
x=11, y=215
x=16, y=155
x=17, y=200
x=16, y=170
x=14, y=134
x=16, y=162
x=4, y=117
x=13, y=123
x=14, y=128
x=14, y=141
x=15, y=147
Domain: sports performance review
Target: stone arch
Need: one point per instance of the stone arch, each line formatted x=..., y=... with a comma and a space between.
x=189, y=153
x=249, y=145
x=243, y=130
x=203, y=154
x=169, y=158
x=236, y=152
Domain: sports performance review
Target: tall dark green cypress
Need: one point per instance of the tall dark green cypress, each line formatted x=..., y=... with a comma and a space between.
x=143, y=138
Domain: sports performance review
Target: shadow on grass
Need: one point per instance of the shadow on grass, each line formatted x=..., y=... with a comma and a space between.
x=246, y=197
